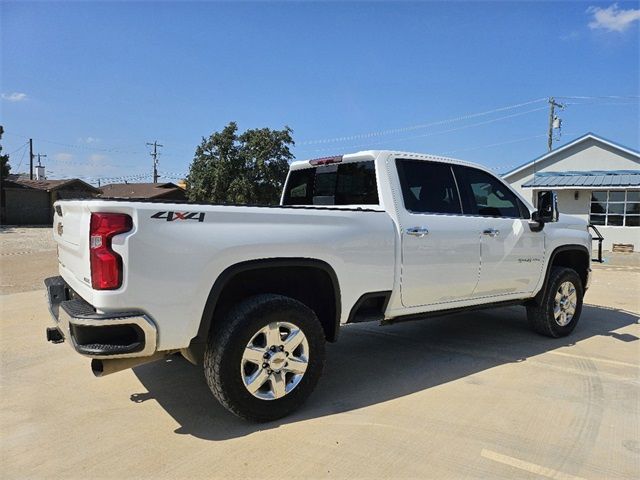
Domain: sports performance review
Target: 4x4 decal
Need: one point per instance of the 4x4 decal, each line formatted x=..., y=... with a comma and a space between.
x=172, y=216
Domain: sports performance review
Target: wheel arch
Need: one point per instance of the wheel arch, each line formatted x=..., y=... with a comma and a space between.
x=314, y=280
x=576, y=257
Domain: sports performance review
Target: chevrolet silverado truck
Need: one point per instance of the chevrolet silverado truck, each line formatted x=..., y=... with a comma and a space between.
x=252, y=293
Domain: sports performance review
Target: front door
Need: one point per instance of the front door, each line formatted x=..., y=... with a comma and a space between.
x=511, y=255
x=440, y=247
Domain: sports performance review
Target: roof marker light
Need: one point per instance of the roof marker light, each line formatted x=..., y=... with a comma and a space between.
x=325, y=160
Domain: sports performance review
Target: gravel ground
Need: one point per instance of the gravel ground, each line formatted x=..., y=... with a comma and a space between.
x=22, y=240
x=27, y=257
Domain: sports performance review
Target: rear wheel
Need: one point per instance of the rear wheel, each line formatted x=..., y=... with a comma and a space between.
x=265, y=358
x=557, y=311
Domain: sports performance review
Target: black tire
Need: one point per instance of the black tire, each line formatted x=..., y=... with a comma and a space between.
x=227, y=342
x=540, y=311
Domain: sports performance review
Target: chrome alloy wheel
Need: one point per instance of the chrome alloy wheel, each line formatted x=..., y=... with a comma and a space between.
x=275, y=360
x=564, y=307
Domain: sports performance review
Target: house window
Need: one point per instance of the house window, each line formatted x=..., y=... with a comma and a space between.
x=615, y=208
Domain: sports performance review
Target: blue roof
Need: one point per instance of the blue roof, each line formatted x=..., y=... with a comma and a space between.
x=594, y=178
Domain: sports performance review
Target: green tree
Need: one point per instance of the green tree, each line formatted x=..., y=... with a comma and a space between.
x=247, y=168
x=5, y=168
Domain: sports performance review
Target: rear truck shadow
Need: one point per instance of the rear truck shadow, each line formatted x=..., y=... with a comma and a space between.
x=371, y=364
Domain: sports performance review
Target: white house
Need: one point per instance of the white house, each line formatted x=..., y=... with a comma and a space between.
x=596, y=179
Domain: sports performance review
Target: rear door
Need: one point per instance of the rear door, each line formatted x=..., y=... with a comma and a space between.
x=440, y=247
x=511, y=255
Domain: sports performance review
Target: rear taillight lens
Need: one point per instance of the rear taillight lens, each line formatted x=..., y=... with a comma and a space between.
x=106, y=265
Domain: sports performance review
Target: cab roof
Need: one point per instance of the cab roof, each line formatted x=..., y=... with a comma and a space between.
x=374, y=154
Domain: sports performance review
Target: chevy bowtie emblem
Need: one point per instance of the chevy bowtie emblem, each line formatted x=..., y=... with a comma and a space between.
x=60, y=229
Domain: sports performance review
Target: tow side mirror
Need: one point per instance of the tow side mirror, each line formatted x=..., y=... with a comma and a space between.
x=547, y=207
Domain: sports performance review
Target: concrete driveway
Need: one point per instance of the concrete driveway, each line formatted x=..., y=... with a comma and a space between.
x=468, y=396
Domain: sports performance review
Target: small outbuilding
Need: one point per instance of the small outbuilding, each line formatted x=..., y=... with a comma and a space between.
x=596, y=179
x=30, y=202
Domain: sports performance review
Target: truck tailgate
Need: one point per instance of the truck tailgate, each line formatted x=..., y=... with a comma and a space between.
x=71, y=232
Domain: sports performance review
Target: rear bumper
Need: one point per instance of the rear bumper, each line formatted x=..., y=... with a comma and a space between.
x=98, y=335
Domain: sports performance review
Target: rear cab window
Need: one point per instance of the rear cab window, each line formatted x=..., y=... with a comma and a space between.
x=352, y=183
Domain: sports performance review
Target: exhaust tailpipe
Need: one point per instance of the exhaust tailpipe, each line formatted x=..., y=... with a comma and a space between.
x=100, y=368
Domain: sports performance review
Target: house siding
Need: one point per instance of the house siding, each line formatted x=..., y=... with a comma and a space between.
x=587, y=155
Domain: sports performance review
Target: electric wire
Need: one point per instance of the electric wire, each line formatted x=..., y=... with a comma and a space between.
x=419, y=126
x=429, y=134
x=19, y=148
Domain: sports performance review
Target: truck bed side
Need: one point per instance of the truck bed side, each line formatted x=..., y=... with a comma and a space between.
x=171, y=258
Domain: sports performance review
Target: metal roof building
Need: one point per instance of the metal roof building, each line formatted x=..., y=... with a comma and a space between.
x=585, y=180
x=596, y=179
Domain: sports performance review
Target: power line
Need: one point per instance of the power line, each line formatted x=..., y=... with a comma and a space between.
x=82, y=147
x=22, y=158
x=420, y=126
x=486, y=122
x=636, y=104
x=490, y=145
x=592, y=97
x=19, y=148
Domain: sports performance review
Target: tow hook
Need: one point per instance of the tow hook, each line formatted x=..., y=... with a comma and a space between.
x=54, y=335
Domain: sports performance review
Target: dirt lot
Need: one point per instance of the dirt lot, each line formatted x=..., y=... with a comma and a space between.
x=468, y=396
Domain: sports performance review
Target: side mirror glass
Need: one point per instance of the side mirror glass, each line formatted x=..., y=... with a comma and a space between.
x=547, y=207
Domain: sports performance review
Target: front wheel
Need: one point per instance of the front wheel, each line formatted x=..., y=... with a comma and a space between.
x=557, y=311
x=265, y=358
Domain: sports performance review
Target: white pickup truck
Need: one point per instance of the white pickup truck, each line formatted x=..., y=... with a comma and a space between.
x=252, y=293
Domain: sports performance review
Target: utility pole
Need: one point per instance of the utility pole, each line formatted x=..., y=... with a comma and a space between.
x=31, y=159
x=155, y=154
x=552, y=118
x=40, y=155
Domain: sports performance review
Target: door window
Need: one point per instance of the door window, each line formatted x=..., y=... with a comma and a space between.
x=485, y=195
x=428, y=187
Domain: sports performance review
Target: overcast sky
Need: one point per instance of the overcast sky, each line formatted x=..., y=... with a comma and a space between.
x=93, y=82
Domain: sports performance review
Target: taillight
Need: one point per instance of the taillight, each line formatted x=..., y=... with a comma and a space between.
x=106, y=265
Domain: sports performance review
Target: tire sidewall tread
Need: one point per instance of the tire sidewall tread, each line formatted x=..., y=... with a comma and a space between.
x=540, y=312
x=228, y=340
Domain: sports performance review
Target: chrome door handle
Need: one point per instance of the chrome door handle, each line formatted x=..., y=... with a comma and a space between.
x=418, y=231
x=492, y=232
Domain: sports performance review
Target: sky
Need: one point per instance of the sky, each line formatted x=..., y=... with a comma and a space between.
x=93, y=82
